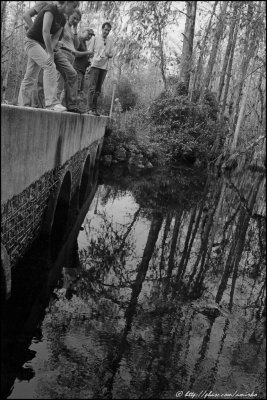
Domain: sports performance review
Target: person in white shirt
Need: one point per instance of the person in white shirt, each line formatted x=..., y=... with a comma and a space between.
x=102, y=47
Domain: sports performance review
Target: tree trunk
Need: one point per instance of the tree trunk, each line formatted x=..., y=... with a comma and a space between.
x=162, y=61
x=199, y=68
x=205, y=262
x=160, y=41
x=240, y=116
x=10, y=55
x=205, y=238
x=122, y=244
x=228, y=49
x=152, y=238
x=185, y=250
x=176, y=228
x=217, y=37
x=250, y=48
x=237, y=246
x=3, y=19
x=229, y=71
x=188, y=43
x=3, y=32
x=165, y=234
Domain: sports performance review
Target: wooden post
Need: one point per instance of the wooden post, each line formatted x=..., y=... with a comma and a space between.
x=112, y=100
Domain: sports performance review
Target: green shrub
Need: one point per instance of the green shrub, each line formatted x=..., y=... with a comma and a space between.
x=126, y=94
x=123, y=92
x=185, y=129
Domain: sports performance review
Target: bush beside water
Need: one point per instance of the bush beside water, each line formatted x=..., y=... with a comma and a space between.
x=173, y=129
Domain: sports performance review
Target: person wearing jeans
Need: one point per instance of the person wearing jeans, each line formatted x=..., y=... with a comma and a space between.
x=39, y=47
x=38, y=93
x=81, y=64
x=37, y=60
x=102, y=47
x=66, y=88
x=64, y=60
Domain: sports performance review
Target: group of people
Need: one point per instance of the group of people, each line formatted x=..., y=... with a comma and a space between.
x=60, y=62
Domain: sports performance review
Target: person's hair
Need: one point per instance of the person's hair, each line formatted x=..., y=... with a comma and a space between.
x=106, y=24
x=78, y=12
x=86, y=30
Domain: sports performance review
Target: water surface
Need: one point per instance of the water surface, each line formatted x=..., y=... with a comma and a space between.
x=159, y=289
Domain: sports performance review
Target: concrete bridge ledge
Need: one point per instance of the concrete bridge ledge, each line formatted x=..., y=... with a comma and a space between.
x=35, y=141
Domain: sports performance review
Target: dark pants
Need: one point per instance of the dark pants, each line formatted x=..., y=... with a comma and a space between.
x=38, y=94
x=82, y=92
x=64, y=60
x=96, y=79
x=80, y=76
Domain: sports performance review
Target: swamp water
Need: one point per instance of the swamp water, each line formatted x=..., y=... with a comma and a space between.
x=158, y=291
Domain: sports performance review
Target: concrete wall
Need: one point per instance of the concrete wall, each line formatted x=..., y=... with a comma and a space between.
x=35, y=141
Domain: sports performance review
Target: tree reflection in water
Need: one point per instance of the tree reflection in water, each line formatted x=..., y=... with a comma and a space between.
x=170, y=295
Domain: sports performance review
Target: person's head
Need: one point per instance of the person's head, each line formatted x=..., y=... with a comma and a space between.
x=106, y=28
x=75, y=17
x=67, y=7
x=87, y=33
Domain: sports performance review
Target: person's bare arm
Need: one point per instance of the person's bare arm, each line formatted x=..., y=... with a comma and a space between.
x=83, y=53
x=56, y=37
x=76, y=40
x=91, y=47
x=27, y=16
x=47, y=22
x=110, y=52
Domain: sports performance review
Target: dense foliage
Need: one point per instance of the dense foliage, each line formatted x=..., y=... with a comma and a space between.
x=124, y=93
x=186, y=129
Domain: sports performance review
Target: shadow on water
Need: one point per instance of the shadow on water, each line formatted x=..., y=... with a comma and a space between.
x=33, y=281
x=162, y=291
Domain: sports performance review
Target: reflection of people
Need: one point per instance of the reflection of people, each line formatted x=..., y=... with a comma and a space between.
x=102, y=47
x=71, y=272
x=117, y=106
x=42, y=37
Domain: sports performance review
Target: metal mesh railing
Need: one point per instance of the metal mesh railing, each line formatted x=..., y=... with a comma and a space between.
x=21, y=216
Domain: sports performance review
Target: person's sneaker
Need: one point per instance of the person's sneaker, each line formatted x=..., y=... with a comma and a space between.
x=75, y=110
x=56, y=107
x=94, y=112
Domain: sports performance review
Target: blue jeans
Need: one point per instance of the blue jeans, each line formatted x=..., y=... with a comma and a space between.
x=37, y=60
x=64, y=63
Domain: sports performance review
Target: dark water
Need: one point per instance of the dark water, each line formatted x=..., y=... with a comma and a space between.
x=158, y=291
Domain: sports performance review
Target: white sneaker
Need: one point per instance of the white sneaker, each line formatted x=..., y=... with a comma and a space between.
x=57, y=107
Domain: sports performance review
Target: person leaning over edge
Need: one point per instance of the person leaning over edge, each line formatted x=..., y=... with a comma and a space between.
x=39, y=47
x=31, y=12
x=37, y=95
x=64, y=60
x=81, y=63
x=102, y=47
